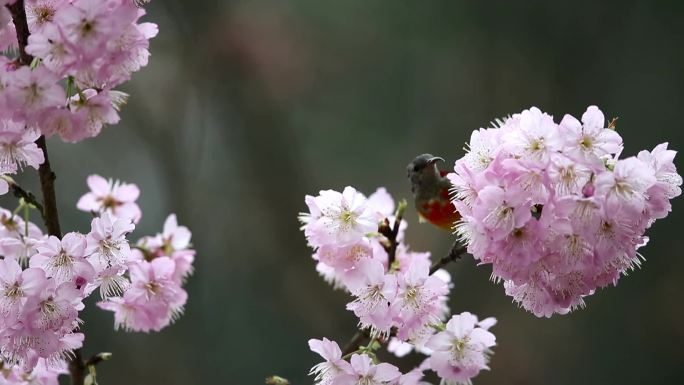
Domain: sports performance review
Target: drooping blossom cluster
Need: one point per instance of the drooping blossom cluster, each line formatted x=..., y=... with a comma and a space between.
x=398, y=301
x=158, y=268
x=45, y=279
x=457, y=354
x=554, y=209
x=83, y=50
x=70, y=56
x=42, y=374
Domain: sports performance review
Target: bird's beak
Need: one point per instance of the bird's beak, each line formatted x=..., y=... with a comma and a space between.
x=435, y=159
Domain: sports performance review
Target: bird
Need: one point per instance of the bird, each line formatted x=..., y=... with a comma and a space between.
x=430, y=188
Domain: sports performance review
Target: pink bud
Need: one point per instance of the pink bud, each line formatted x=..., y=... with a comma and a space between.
x=588, y=189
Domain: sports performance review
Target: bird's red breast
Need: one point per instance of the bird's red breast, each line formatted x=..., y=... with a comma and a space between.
x=439, y=210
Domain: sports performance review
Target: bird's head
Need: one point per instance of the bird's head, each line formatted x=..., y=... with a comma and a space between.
x=422, y=169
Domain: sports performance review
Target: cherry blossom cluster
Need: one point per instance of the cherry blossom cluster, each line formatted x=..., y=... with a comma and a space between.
x=71, y=57
x=82, y=50
x=457, y=354
x=554, y=209
x=45, y=279
x=359, y=246
x=42, y=374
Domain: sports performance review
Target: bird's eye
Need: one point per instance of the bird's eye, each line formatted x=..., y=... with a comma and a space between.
x=416, y=168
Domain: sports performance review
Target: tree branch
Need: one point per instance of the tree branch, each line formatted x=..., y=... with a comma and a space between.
x=27, y=196
x=455, y=253
x=391, y=233
x=77, y=368
x=360, y=338
x=47, y=186
x=96, y=359
x=18, y=12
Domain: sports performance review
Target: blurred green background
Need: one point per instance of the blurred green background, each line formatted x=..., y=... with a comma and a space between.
x=247, y=106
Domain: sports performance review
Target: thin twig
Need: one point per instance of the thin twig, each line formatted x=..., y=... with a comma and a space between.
x=26, y=195
x=97, y=358
x=456, y=251
x=360, y=338
x=391, y=233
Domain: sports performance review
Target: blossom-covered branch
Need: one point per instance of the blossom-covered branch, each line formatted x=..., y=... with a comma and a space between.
x=397, y=300
x=455, y=253
x=71, y=56
x=21, y=193
x=550, y=206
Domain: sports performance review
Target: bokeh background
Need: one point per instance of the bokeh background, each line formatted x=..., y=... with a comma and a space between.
x=247, y=106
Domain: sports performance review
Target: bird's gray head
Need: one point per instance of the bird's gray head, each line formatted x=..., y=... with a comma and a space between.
x=421, y=168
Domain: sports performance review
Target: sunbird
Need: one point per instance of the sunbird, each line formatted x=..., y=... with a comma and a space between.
x=430, y=188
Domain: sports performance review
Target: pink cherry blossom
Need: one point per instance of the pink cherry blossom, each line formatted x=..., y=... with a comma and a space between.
x=108, y=252
x=419, y=298
x=152, y=281
x=462, y=350
x=64, y=260
x=32, y=90
x=414, y=377
x=340, y=218
x=374, y=291
x=43, y=373
x=153, y=300
x=18, y=238
x=106, y=243
x=113, y=197
x=17, y=148
x=345, y=257
x=589, y=141
x=130, y=315
x=92, y=110
x=537, y=136
x=333, y=366
x=40, y=13
x=16, y=285
x=173, y=242
x=668, y=182
x=365, y=372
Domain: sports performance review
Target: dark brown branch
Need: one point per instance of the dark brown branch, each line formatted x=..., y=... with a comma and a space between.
x=390, y=244
x=77, y=368
x=96, y=359
x=455, y=253
x=360, y=338
x=18, y=13
x=391, y=233
x=47, y=186
x=27, y=196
